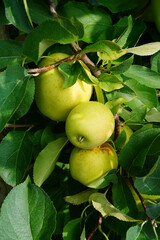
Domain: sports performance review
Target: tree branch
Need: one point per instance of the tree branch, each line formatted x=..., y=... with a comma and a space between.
x=44, y=69
x=95, y=228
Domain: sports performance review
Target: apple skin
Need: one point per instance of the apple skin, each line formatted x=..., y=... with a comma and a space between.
x=89, y=125
x=86, y=166
x=54, y=101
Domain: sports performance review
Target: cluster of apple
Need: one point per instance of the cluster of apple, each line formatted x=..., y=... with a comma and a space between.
x=88, y=124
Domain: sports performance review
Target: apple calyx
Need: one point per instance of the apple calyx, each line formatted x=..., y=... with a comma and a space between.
x=80, y=139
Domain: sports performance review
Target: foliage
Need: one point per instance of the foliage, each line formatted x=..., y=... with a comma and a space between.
x=43, y=200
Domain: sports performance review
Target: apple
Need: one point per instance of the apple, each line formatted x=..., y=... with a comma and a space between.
x=54, y=101
x=86, y=166
x=89, y=125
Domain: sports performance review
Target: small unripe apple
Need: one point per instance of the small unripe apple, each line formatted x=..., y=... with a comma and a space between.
x=86, y=166
x=52, y=99
x=89, y=125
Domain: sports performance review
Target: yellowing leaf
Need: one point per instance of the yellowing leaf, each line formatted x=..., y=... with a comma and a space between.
x=101, y=204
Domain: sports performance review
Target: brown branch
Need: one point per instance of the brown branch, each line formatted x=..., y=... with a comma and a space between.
x=95, y=228
x=18, y=125
x=53, y=9
x=117, y=127
x=44, y=69
x=142, y=202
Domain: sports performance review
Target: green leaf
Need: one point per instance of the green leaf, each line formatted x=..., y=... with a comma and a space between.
x=16, y=14
x=80, y=198
x=78, y=26
x=145, y=49
x=45, y=35
x=109, y=82
x=41, y=9
x=125, y=93
x=27, y=100
x=134, y=155
x=123, y=198
x=153, y=115
x=149, y=184
x=72, y=229
x=12, y=90
x=101, y=204
x=34, y=213
x=90, y=17
x=107, y=50
x=118, y=6
x=46, y=160
x=70, y=73
x=138, y=114
x=104, y=181
x=122, y=67
x=15, y=156
x=155, y=62
x=153, y=211
x=114, y=105
x=144, y=76
x=136, y=233
x=121, y=41
x=11, y=52
x=146, y=95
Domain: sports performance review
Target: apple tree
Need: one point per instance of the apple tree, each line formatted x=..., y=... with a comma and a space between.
x=54, y=55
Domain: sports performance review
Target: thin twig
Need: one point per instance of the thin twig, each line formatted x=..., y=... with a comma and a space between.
x=95, y=228
x=143, y=203
x=117, y=127
x=44, y=69
x=53, y=9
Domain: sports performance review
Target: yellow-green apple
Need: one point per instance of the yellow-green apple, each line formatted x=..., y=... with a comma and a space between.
x=89, y=165
x=89, y=125
x=52, y=99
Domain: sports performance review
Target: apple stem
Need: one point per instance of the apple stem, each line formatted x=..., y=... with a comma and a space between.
x=80, y=139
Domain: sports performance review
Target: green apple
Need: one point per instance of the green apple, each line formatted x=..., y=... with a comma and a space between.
x=52, y=99
x=89, y=125
x=86, y=166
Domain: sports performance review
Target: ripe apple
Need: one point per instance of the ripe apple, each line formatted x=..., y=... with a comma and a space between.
x=86, y=166
x=52, y=99
x=89, y=125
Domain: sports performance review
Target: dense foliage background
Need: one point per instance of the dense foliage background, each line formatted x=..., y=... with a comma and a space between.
x=39, y=199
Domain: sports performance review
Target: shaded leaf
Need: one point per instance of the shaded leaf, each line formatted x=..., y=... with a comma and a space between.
x=11, y=52
x=104, y=181
x=27, y=100
x=123, y=198
x=34, y=213
x=46, y=160
x=136, y=233
x=101, y=204
x=133, y=156
x=150, y=184
x=70, y=73
x=16, y=14
x=153, y=115
x=72, y=229
x=15, y=156
x=12, y=88
x=118, y=6
x=122, y=67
